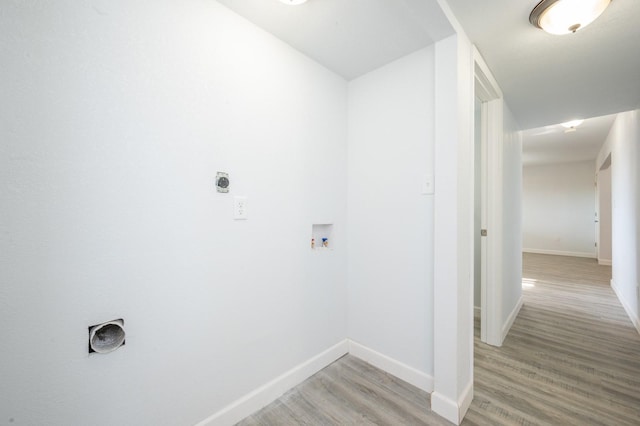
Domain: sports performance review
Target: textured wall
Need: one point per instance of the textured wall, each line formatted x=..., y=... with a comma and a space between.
x=114, y=118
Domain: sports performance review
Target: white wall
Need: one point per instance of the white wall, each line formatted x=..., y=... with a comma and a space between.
x=390, y=221
x=622, y=143
x=512, y=220
x=395, y=241
x=453, y=227
x=558, y=209
x=115, y=117
x=604, y=215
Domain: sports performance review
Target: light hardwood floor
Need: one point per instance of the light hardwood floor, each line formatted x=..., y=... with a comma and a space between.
x=572, y=357
x=349, y=392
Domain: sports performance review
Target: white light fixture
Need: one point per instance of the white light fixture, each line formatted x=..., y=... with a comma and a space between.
x=293, y=2
x=566, y=16
x=572, y=124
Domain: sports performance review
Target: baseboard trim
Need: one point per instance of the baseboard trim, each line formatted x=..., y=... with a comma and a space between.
x=271, y=391
x=450, y=409
x=605, y=262
x=402, y=371
x=635, y=321
x=465, y=400
x=445, y=407
x=560, y=253
x=511, y=319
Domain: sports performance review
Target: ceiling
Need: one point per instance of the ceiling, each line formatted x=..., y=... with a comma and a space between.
x=350, y=37
x=550, y=144
x=550, y=79
x=545, y=79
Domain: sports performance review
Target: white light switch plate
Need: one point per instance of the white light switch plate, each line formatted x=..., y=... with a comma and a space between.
x=240, y=205
x=428, y=185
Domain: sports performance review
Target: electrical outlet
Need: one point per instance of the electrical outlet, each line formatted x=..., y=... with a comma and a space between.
x=240, y=205
x=222, y=182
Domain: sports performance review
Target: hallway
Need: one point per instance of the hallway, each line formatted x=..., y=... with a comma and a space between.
x=572, y=356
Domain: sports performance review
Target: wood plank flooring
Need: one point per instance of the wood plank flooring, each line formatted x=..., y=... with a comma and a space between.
x=572, y=358
x=349, y=392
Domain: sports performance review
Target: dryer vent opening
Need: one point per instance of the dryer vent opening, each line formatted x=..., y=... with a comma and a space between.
x=106, y=337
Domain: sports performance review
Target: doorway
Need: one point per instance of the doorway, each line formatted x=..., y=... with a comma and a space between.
x=479, y=217
x=487, y=247
x=603, y=219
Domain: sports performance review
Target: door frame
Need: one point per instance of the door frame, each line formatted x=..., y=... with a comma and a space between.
x=492, y=133
x=606, y=164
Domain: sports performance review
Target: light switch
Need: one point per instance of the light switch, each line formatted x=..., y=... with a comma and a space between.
x=240, y=205
x=428, y=185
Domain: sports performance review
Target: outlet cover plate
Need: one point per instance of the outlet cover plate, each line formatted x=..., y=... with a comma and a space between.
x=240, y=205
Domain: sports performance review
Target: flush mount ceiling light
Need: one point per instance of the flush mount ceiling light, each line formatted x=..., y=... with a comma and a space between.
x=572, y=124
x=566, y=16
x=293, y=2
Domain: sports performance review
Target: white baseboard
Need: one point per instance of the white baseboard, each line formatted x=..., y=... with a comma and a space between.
x=512, y=317
x=605, y=262
x=271, y=391
x=465, y=400
x=560, y=253
x=627, y=308
x=396, y=368
x=450, y=409
x=445, y=407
